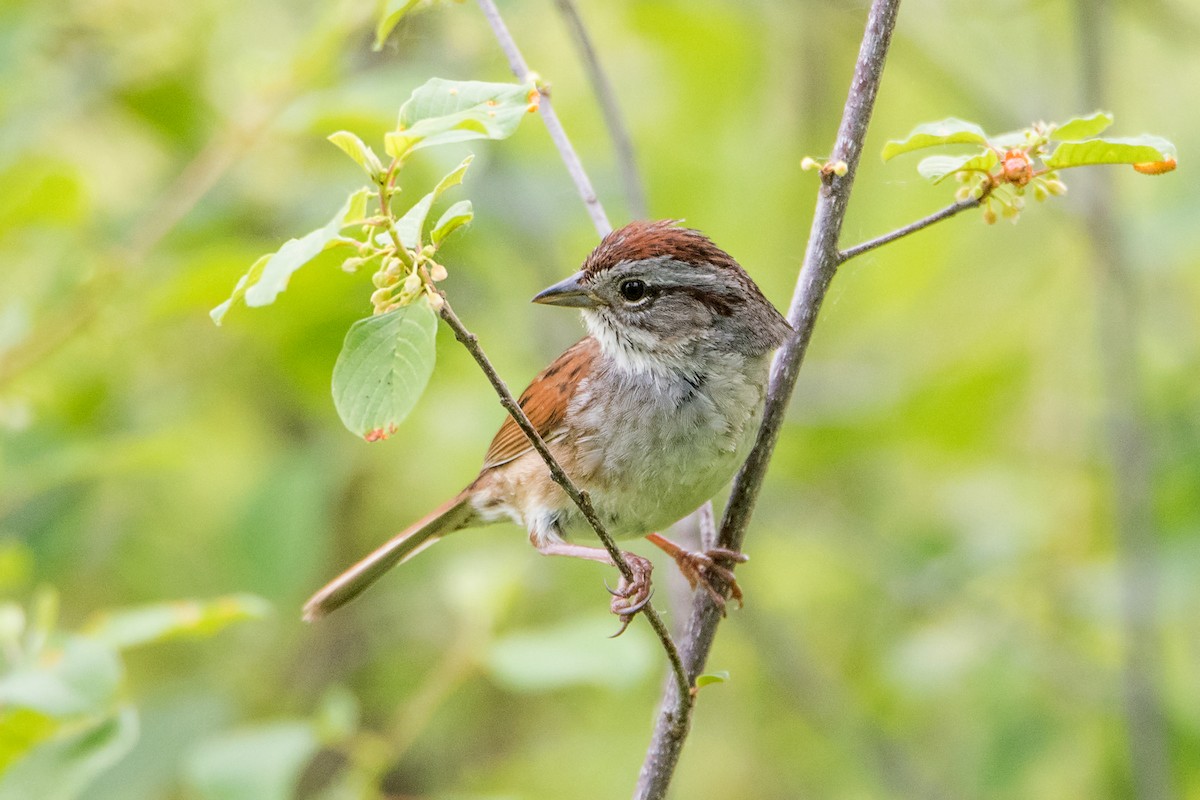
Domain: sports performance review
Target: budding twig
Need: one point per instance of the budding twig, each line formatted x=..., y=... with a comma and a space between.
x=635, y=193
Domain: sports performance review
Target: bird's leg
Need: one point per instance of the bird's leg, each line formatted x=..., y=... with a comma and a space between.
x=701, y=568
x=630, y=596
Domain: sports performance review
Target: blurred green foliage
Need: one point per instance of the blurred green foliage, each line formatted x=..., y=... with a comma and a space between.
x=934, y=600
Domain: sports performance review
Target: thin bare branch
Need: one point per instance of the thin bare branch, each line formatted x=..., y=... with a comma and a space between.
x=946, y=213
x=574, y=166
x=579, y=497
x=614, y=120
x=820, y=264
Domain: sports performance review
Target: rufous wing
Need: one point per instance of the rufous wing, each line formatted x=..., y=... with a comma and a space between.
x=544, y=402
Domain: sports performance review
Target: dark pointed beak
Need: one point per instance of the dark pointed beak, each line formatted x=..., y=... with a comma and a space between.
x=570, y=292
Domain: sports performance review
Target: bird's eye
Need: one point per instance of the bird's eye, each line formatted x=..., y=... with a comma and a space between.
x=632, y=290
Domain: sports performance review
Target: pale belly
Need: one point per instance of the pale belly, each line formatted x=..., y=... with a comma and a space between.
x=647, y=455
x=665, y=457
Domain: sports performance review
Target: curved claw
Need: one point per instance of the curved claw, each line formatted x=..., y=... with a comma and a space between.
x=631, y=612
x=612, y=591
x=638, y=606
x=625, y=620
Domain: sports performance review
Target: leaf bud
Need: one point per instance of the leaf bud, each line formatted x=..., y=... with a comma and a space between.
x=809, y=163
x=840, y=168
x=1056, y=187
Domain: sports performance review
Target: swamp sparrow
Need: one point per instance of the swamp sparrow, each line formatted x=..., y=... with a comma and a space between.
x=650, y=414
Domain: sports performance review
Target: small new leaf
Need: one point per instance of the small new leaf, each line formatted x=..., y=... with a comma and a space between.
x=269, y=275
x=937, y=168
x=1073, y=130
x=384, y=366
x=711, y=677
x=1131, y=150
x=252, y=276
x=410, y=226
x=441, y=111
x=454, y=218
x=393, y=12
x=932, y=134
x=354, y=147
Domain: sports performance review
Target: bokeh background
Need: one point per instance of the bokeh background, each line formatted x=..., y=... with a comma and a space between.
x=940, y=601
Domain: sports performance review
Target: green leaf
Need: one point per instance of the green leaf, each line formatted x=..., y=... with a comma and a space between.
x=393, y=12
x=1131, y=150
x=454, y=218
x=269, y=275
x=354, y=147
x=252, y=276
x=932, y=134
x=65, y=766
x=260, y=763
x=79, y=677
x=938, y=168
x=154, y=623
x=409, y=226
x=441, y=111
x=383, y=368
x=711, y=677
x=574, y=654
x=1082, y=127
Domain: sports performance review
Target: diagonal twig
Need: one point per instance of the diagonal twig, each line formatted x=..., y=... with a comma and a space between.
x=614, y=120
x=879, y=241
x=580, y=498
x=600, y=220
x=574, y=166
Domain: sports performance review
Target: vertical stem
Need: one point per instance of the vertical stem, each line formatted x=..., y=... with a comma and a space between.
x=820, y=263
x=574, y=166
x=1125, y=431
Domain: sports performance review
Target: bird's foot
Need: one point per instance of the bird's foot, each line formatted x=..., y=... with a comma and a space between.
x=632, y=595
x=701, y=568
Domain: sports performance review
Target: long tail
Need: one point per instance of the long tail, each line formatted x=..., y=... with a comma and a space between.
x=450, y=517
